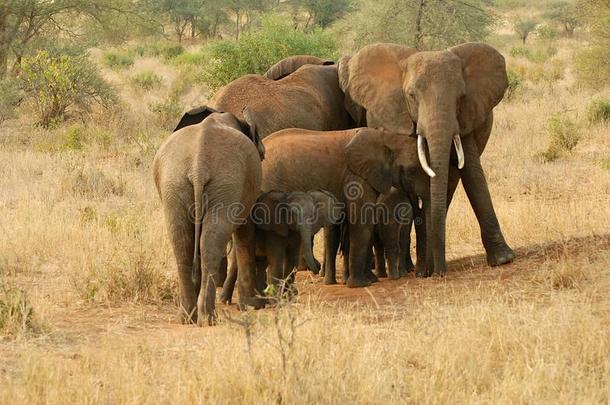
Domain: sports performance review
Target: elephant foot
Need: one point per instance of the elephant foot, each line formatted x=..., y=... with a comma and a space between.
x=354, y=282
x=421, y=271
x=225, y=297
x=382, y=274
x=500, y=255
x=322, y=272
x=185, y=318
x=404, y=271
x=254, y=302
x=330, y=280
x=394, y=275
x=207, y=320
x=370, y=276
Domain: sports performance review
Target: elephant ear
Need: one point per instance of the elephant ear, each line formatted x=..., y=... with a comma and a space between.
x=357, y=112
x=290, y=65
x=270, y=212
x=194, y=116
x=250, y=120
x=484, y=72
x=373, y=79
x=326, y=206
x=368, y=157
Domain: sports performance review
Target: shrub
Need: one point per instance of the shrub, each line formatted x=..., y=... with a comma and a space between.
x=57, y=83
x=117, y=60
x=256, y=52
x=170, y=51
x=599, y=111
x=515, y=83
x=167, y=113
x=146, y=80
x=190, y=58
x=17, y=317
x=12, y=94
x=546, y=32
x=536, y=55
x=564, y=134
x=73, y=138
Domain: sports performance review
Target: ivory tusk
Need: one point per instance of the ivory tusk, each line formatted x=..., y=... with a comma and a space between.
x=457, y=142
x=421, y=153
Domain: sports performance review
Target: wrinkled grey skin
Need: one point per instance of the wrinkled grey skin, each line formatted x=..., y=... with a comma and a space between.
x=303, y=95
x=436, y=95
x=354, y=165
x=391, y=234
x=295, y=218
x=193, y=177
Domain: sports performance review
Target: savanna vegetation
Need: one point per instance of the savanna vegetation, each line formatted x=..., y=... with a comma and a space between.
x=88, y=91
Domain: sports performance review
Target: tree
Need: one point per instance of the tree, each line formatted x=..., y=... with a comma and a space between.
x=565, y=13
x=22, y=22
x=524, y=27
x=593, y=62
x=425, y=24
x=321, y=13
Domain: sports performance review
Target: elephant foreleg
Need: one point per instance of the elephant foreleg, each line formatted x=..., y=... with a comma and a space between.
x=229, y=284
x=475, y=185
x=378, y=245
x=332, y=237
x=406, y=263
x=244, y=243
x=359, y=245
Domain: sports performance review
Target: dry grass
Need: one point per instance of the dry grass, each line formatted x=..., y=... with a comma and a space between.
x=85, y=254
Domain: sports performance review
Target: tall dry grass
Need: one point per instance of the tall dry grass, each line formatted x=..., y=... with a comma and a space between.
x=82, y=236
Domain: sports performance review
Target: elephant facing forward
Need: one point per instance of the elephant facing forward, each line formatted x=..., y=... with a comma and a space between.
x=206, y=198
x=354, y=165
x=284, y=222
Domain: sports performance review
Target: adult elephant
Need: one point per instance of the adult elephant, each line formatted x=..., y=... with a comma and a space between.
x=297, y=92
x=442, y=98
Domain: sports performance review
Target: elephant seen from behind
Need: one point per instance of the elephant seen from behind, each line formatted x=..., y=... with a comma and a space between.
x=206, y=199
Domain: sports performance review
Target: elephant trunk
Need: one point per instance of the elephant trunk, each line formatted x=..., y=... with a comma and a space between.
x=440, y=149
x=306, y=243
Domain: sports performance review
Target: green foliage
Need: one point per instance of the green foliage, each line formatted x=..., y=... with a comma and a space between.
x=190, y=58
x=322, y=13
x=443, y=23
x=524, y=27
x=12, y=94
x=74, y=137
x=593, y=63
x=515, y=84
x=546, y=32
x=256, y=52
x=599, y=111
x=147, y=80
x=117, y=60
x=167, y=112
x=564, y=136
x=565, y=13
x=536, y=54
x=57, y=83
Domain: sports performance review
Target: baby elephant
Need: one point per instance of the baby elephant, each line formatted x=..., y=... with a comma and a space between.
x=284, y=222
x=202, y=173
x=391, y=238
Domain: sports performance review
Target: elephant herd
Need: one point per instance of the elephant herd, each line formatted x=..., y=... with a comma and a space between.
x=311, y=145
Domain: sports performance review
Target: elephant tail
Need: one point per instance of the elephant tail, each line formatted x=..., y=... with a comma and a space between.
x=199, y=213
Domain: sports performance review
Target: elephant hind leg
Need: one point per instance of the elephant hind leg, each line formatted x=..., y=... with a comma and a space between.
x=214, y=238
x=229, y=285
x=181, y=232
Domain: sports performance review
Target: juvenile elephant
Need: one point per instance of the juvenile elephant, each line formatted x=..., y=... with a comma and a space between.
x=295, y=93
x=206, y=198
x=284, y=222
x=442, y=98
x=391, y=237
x=354, y=165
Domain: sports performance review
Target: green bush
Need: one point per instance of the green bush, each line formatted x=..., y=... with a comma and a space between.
x=564, y=136
x=515, y=83
x=546, y=32
x=167, y=113
x=146, y=80
x=536, y=55
x=17, y=316
x=190, y=58
x=117, y=60
x=599, y=111
x=256, y=52
x=57, y=83
x=167, y=50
